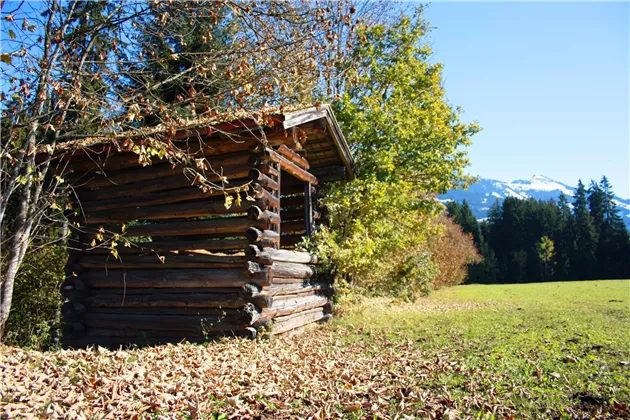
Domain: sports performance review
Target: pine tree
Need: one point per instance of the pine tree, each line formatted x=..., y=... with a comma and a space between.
x=613, y=249
x=584, y=260
x=596, y=198
x=565, y=241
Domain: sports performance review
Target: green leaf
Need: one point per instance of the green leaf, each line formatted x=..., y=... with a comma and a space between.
x=11, y=34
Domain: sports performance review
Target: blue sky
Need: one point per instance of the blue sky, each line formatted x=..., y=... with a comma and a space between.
x=548, y=82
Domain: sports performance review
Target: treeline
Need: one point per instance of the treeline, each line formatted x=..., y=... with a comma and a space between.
x=533, y=240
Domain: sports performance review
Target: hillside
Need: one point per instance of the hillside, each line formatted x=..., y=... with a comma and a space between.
x=486, y=192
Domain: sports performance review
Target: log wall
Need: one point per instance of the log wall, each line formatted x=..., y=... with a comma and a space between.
x=188, y=266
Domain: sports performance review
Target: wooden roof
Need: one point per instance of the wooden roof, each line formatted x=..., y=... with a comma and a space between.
x=325, y=144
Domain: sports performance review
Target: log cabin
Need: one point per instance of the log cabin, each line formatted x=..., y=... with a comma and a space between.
x=166, y=252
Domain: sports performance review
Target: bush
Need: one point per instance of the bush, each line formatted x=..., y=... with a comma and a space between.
x=34, y=318
x=452, y=251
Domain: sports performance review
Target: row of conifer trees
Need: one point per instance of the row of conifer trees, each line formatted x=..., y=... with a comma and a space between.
x=574, y=238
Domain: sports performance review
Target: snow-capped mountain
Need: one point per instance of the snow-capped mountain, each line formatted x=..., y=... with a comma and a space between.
x=484, y=193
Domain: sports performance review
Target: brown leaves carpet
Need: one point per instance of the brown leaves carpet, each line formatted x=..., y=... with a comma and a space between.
x=317, y=374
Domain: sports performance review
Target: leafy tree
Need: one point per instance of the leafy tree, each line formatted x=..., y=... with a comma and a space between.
x=407, y=141
x=545, y=248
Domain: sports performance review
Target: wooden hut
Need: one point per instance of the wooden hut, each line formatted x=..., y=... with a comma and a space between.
x=191, y=265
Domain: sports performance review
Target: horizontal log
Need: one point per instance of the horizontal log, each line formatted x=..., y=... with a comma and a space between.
x=293, y=227
x=162, y=261
x=293, y=306
x=293, y=201
x=258, y=177
x=167, y=300
x=291, y=241
x=162, y=183
x=231, y=312
x=330, y=173
x=288, y=215
x=279, y=290
x=175, y=245
x=288, y=189
x=174, y=211
x=179, y=323
x=73, y=310
x=95, y=291
x=285, y=324
x=74, y=288
x=292, y=270
x=73, y=329
x=183, y=278
x=112, y=178
x=234, y=225
x=269, y=255
x=162, y=197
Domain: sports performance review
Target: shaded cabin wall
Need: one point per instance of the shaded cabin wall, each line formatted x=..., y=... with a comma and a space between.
x=194, y=268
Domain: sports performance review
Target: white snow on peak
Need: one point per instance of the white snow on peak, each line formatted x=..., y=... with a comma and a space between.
x=539, y=183
x=496, y=194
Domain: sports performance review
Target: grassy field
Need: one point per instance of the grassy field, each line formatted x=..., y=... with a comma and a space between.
x=554, y=350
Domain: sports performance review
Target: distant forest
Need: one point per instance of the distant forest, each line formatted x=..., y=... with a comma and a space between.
x=533, y=240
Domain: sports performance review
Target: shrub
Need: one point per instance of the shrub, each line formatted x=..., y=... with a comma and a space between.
x=34, y=318
x=451, y=252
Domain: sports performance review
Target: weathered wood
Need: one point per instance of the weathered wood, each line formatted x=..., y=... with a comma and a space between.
x=74, y=288
x=290, y=241
x=261, y=300
x=293, y=306
x=259, y=236
x=297, y=188
x=289, y=154
x=161, y=183
x=298, y=214
x=300, y=288
x=96, y=290
x=256, y=213
x=285, y=165
x=168, y=300
x=174, y=211
x=269, y=255
x=162, y=262
x=232, y=312
x=218, y=277
x=72, y=310
x=233, y=225
x=114, y=178
x=163, y=197
x=330, y=173
x=258, y=177
x=73, y=329
x=293, y=201
x=292, y=270
x=179, y=323
x=284, y=324
x=175, y=245
x=295, y=226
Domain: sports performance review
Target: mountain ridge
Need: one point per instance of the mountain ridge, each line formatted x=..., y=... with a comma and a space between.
x=481, y=195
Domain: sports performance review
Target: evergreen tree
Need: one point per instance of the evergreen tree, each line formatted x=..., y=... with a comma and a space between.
x=564, y=241
x=584, y=261
x=596, y=198
x=613, y=249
